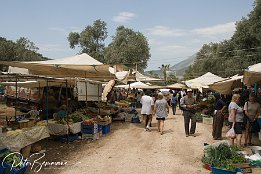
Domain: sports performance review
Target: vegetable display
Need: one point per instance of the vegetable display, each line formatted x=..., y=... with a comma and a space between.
x=223, y=157
x=12, y=159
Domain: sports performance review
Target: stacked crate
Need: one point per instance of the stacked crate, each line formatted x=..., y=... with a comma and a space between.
x=89, y=131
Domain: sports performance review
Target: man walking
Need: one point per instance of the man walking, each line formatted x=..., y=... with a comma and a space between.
x=187, y=103
x=174, y=103
x=146, y=110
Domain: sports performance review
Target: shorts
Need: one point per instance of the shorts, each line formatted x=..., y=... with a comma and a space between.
x=239, y=127
x=160, y=118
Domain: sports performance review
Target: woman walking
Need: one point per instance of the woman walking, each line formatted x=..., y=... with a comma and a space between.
x=235, y=119
x=161, y=110
x=251, y=109
x=218, y=118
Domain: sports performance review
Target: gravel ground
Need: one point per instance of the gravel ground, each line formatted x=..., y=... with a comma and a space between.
x=128, y=149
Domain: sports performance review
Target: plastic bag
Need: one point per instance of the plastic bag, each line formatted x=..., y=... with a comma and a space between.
x=231, y=133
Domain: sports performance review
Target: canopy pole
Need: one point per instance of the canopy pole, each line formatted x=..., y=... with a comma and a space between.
x=16, y=96
x=86, y=93
x=39, y=95
x=255, y=88
x=47, y=103
x=67, y=104
x=98, y=101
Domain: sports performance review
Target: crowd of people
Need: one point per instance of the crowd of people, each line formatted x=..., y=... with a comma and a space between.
x=241, y=114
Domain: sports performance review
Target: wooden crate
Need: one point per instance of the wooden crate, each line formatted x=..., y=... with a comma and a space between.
x=245, y=167
x=207, y=120
x=26, y=123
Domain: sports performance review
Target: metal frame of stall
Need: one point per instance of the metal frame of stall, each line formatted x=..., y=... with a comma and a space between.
x=11, y=77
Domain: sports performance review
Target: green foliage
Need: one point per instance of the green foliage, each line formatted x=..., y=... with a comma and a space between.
x=21, y=50
x=91, y=39
x=231, y=57
x=223, y=157
x=172, y=78
x=128, y=47
x=13, y=159
x=152, y=74
x=164, y=69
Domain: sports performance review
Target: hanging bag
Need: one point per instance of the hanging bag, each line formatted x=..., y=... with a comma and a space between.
x=231, y=133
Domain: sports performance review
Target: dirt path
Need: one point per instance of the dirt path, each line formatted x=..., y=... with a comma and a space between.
x=130, y=150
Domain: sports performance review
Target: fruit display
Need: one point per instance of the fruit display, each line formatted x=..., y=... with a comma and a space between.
x=14, y=132
x=89, y=122
x=12, y=159
x=104, y=119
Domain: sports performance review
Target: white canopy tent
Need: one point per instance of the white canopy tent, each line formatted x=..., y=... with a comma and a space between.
x=252, y=75
x=203, y=81
x=176, y=86
x=81, y=59
x=227, y=86
x=133, y=85
x=81, y=65
x=143, y=78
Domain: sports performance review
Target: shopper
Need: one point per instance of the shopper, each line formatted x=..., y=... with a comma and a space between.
x=251, y=109
x=218, y=118
x=188, y=106
x=146, y=109
x=174, y=101
x=161, y=110
x=235, y=119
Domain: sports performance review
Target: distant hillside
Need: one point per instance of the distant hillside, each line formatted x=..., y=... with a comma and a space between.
x=180, y=67
x=184, y=64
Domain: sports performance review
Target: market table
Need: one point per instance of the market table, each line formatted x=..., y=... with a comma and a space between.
x=16, y=140
x=8, y=114
x=60, y=129
x=75, y=128
x=57, y=129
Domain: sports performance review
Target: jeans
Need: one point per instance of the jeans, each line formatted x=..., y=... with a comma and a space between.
x=187, y=117
x=174, y=107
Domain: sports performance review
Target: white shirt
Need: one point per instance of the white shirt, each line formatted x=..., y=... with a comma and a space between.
x=146, y=102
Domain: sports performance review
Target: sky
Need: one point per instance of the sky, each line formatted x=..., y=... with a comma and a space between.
x=175, y=29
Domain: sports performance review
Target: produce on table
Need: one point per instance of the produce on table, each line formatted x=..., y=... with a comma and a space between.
x=61, y=121
x=89, y=122
x=199, y=117
x=12, y=160
x=104, y=119
x=14, y=132
x=223, y=157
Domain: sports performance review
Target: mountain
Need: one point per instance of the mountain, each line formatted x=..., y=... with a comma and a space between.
x=184, y=64
x=179, y=68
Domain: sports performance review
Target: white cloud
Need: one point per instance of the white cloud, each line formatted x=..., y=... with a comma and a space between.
x=65, y=31
x=124, y=17
x=219, y=29
x=58, y=29
x=165, y=31
x=171, y=47
x=75, y=29
x=52, y=47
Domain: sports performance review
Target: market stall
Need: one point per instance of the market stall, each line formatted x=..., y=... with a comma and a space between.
x=252, y=75
x=20, y=138
x=203, y=81
x=176, y=86
x=227, y=86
